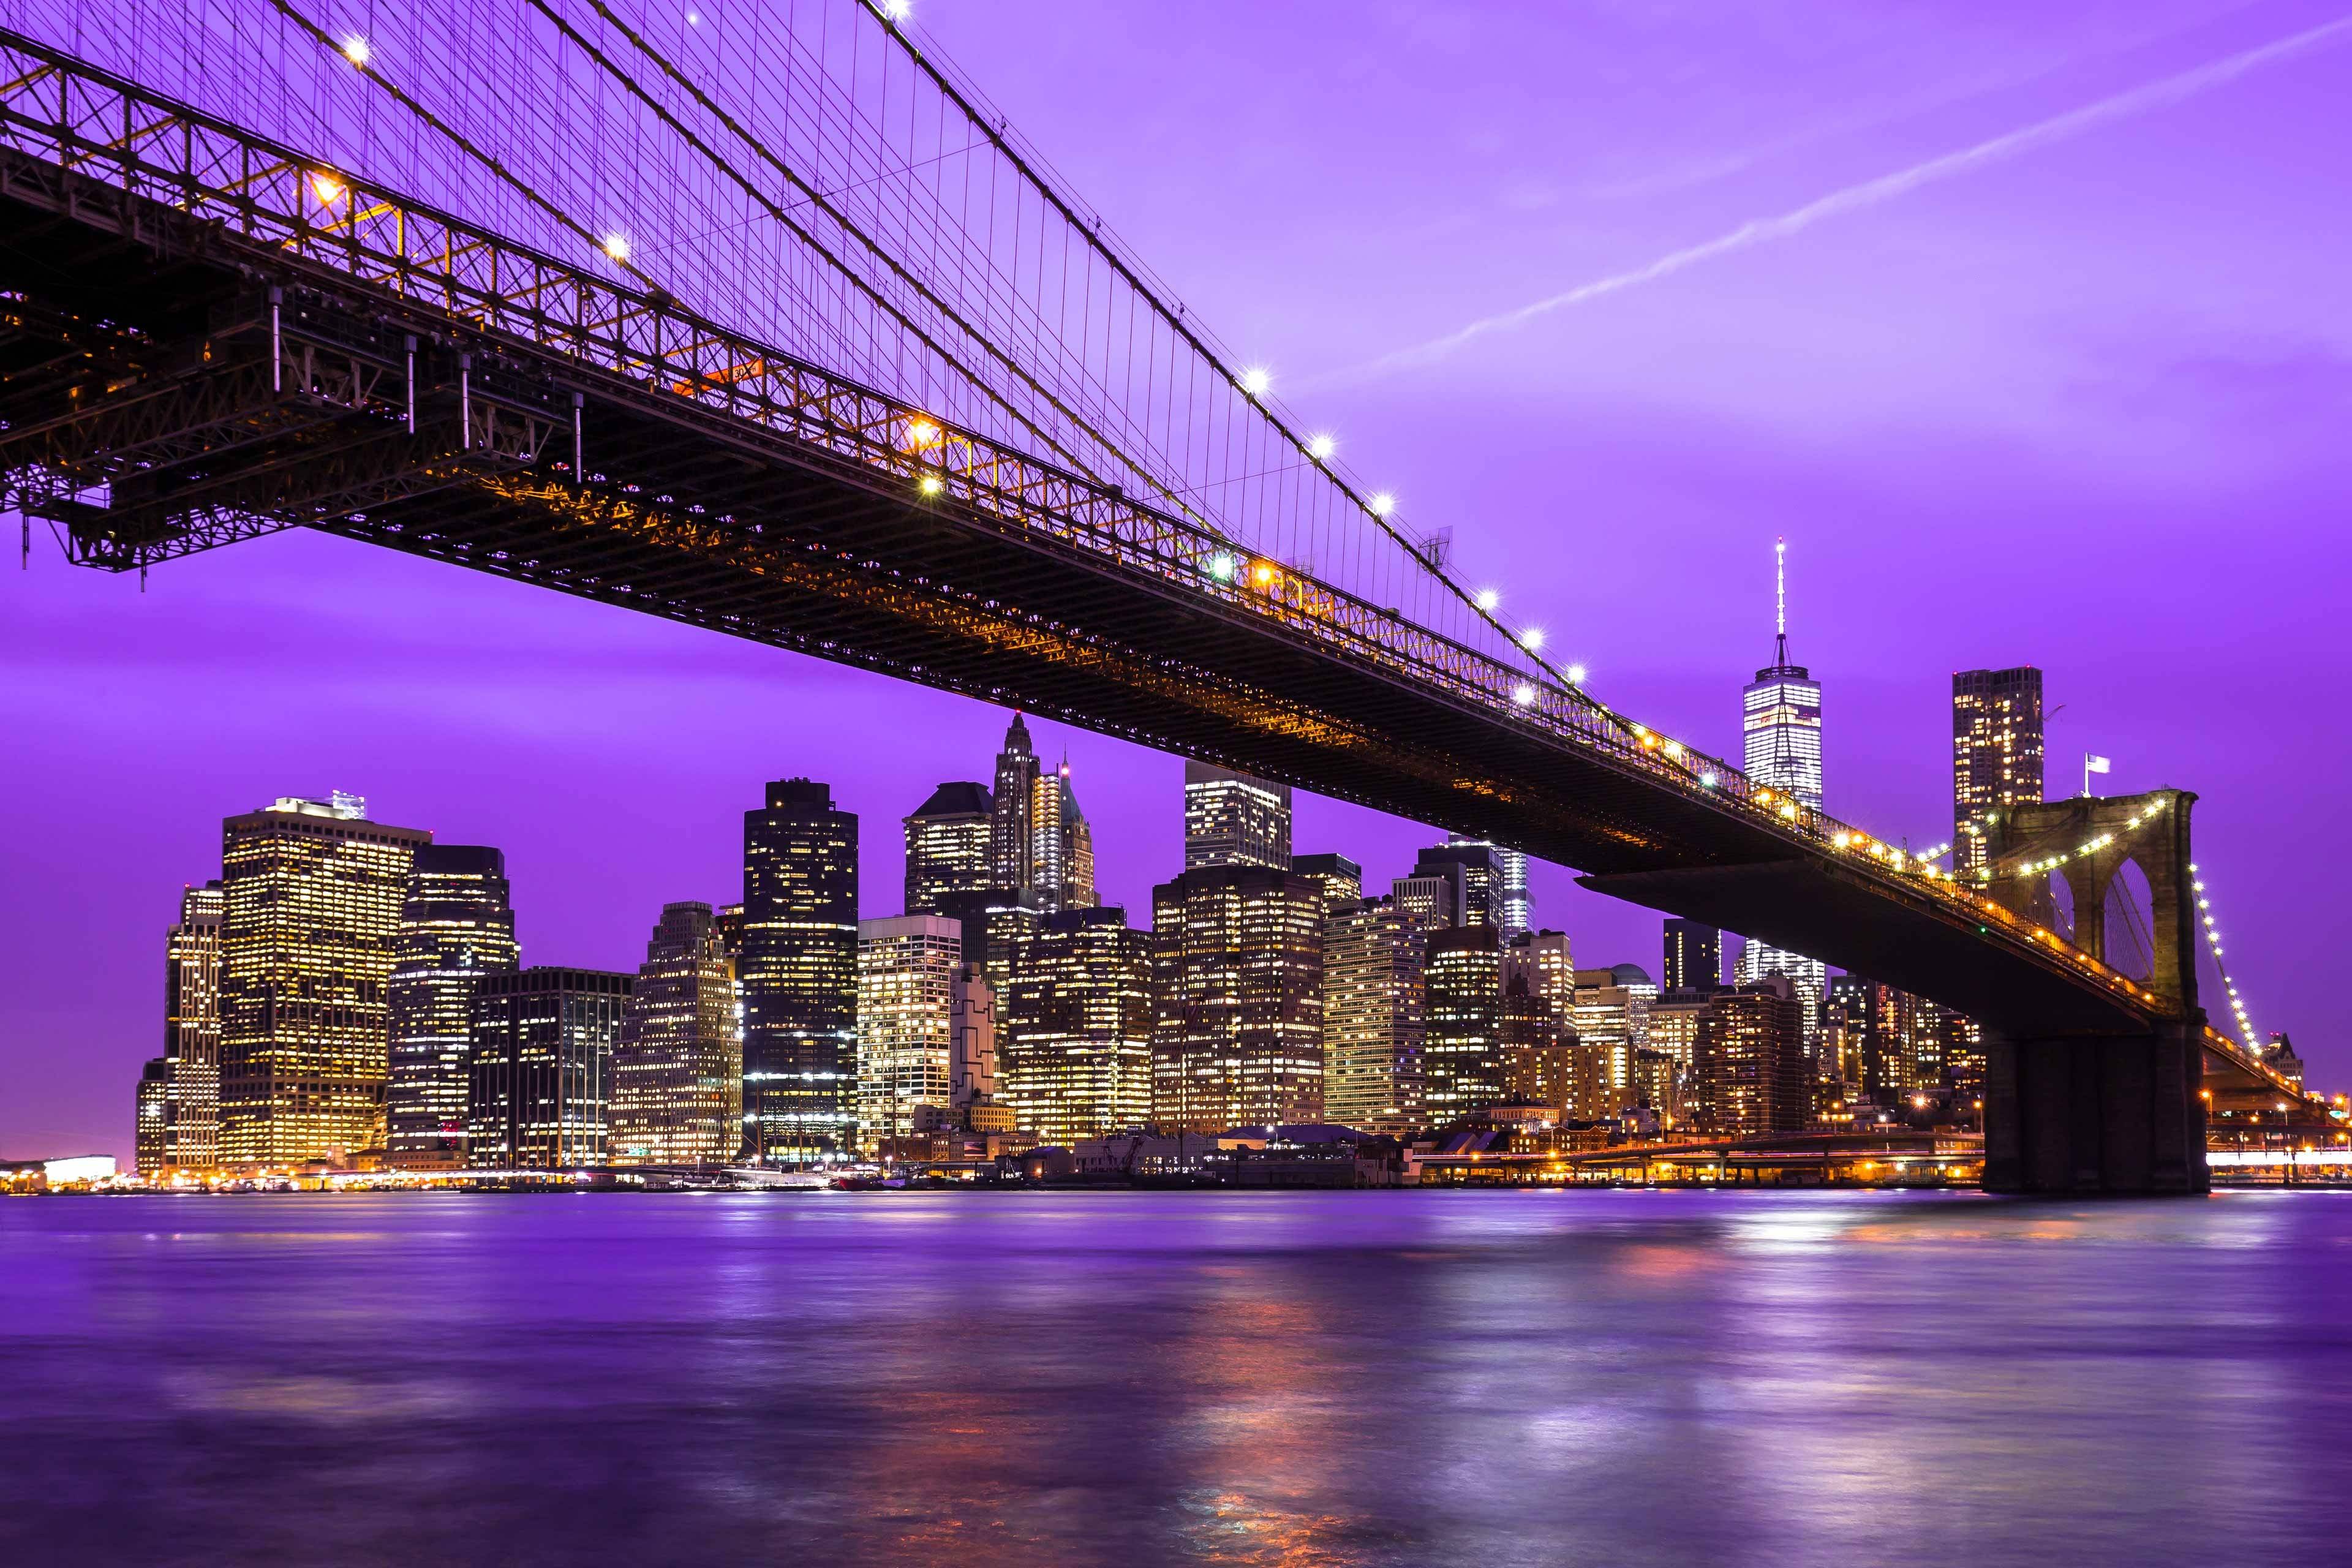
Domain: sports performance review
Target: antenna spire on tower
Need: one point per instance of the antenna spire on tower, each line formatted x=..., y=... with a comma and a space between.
x=1780, y=601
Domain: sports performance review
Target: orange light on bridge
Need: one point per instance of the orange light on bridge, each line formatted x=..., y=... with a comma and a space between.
x=931, y=484
x=328, y=189
x=1262, y=575
x=922, y=433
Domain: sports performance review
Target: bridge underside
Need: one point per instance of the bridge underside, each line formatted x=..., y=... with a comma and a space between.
x=219, y=389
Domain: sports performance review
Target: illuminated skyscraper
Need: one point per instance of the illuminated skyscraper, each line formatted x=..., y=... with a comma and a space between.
x=1237, y=982
x=906, y=975
x=1480, y=885
x=1011, y=841
x=1460, y=1049
x=1074, y=1012
x=540, y=1071
x=1694, y=956
x=1542, y=959
x=1749, y=1076
x=1374, y=953
x=948, y=847
x=1233, y=819
x=1536, y=1046
x=973, y=1085
x=187, y=1125
x=798, y=977
x=312, y=892
x=456, y=924
x=677, y=1067
x=1996, y=752
x=1341, y=879
x=1511, y=909
x=1780, y=724
x=1062, y=844
x=150, y=1119
x=1612, y=1017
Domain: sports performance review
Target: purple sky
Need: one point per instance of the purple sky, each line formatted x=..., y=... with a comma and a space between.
x=2048, y=363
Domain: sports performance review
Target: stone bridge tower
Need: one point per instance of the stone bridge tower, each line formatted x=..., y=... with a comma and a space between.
x=2116, y=1111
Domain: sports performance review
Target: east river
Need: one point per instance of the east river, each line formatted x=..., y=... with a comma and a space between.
x=1069, y=1378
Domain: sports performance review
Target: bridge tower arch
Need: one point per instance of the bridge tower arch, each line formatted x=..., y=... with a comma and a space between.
x=2113, y=1112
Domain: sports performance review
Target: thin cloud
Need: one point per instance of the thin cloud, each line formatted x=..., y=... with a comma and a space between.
x=1870, y=192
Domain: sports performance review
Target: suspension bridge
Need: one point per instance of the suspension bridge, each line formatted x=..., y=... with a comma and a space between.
x=780, y=330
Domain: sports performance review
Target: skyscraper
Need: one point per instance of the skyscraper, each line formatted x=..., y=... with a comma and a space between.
x=149, y=1124
x=1781, y=725
x=1233, y=819
x=798, y=977
x=1062, y=843
x=187, y=1126
x=1011, y=841
x=906, y=978
x=949, y=846
x=1694, y=957
x=1535, y=1048
x=456, y=924
x=1374, y=953
x=1341, y=879
x=677, y=1067
x=1238, y=979
x=1461, y=1050
x=1479, y=886
x=539, y=1070
x=1543, y=960
x=1749, y=1076
x=1510, y=906
x=1612, y=1017
x=973, y=1085
x=1996, y=752
x=1075, y=1024
x=311, y=895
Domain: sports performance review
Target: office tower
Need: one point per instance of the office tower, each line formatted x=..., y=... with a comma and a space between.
x=456, y=924
x=798, y=976
x=1611, y=1012
x=538, y=1077
x=974, y=1098
x=1012, y=844
x=1238, y=980
x=1233, y=819
x=1750, y=1078
x=1477, y=887
x=1536, y=1048
x=1074, y=1024
x=188, y=1131
x=1373, y=953
x=949, y=842
x=1658, y=1084
x=1674, y=1024
x=989, y=921
x=1511, y=908
x=1461, y=1050
x=1996, y=753
x=1435, y=894
x=906, y=972
x=1889, y=1043
x=1341, y=879
x=677, y=1067
x=1541, y=958
x=1694, y=957
x=150, y=1122
x=1780, y=725
x=311, y=894
x=1062, y=844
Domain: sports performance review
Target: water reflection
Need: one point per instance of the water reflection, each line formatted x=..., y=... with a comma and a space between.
x=1001, y=1378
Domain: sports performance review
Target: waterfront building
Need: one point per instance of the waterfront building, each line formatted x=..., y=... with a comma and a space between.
x=1694, y=957
x=1749, y=1076
x=540, y=1071
x=456, y=924
x=150, y=1151
x=905, y=972
x=1373, y=954
x=1536, y=1048
x=1011, y=840
x=1462, y=1058
x=949, y=839
x=1075, y=1024
x=1341, y=879
x=1997, y=752
x=1511, y=908
x=1234, y=819
x=188, y=1129
x=798, y=974
x=677, y=1067
x=311, y=892
x=1611, y=1012
x=1237, y=982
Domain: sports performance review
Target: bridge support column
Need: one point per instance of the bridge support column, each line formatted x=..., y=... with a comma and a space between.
x=2095, y=1113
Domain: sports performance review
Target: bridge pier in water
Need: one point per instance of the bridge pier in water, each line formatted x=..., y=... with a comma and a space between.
x=2084, y=1114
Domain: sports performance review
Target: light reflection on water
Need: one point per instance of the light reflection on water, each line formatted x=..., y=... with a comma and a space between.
x=982, y=1378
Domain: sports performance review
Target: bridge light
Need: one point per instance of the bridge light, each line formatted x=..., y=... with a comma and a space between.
x=329, y=189
x=1258, y=381
x=1674, y=749
x=1576, y=675
x=922, y=432
x=355, y=49
x=1382, y=504
x=1220, y=567
x=1321, y=448
x=1523, y=694
x=1531, y=638
x=617, y=246
x=897, y=10
x=1708, y=781
x=1841, y=839
x=1487, y=600
x=1789, y=810
x=931, y=484
x=1262, y=574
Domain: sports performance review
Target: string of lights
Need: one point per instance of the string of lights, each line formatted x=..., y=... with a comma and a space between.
x=2213, y=944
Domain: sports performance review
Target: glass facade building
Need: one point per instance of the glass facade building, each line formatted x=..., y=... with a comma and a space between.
x=1461, y=1054
x=1238, y=982
x=677, y=1067
x=906, y=975
x=1233, y=819
x=1694, y=957
x=1997, y=752
x=798, y=977
x=311, y=897
x=456, y=924
x=540, y=1072
x=1373, y=954
x=1509, y=910
x=1074, y=1006
x=187, y=1120
x=1011, y=841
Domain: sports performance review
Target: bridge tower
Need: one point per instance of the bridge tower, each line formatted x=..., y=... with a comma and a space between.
x=2106, y=1112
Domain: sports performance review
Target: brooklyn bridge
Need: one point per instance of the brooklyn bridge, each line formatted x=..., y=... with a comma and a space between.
x=797, y=340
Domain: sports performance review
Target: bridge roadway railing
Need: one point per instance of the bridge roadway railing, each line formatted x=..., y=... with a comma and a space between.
x=301, y=213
